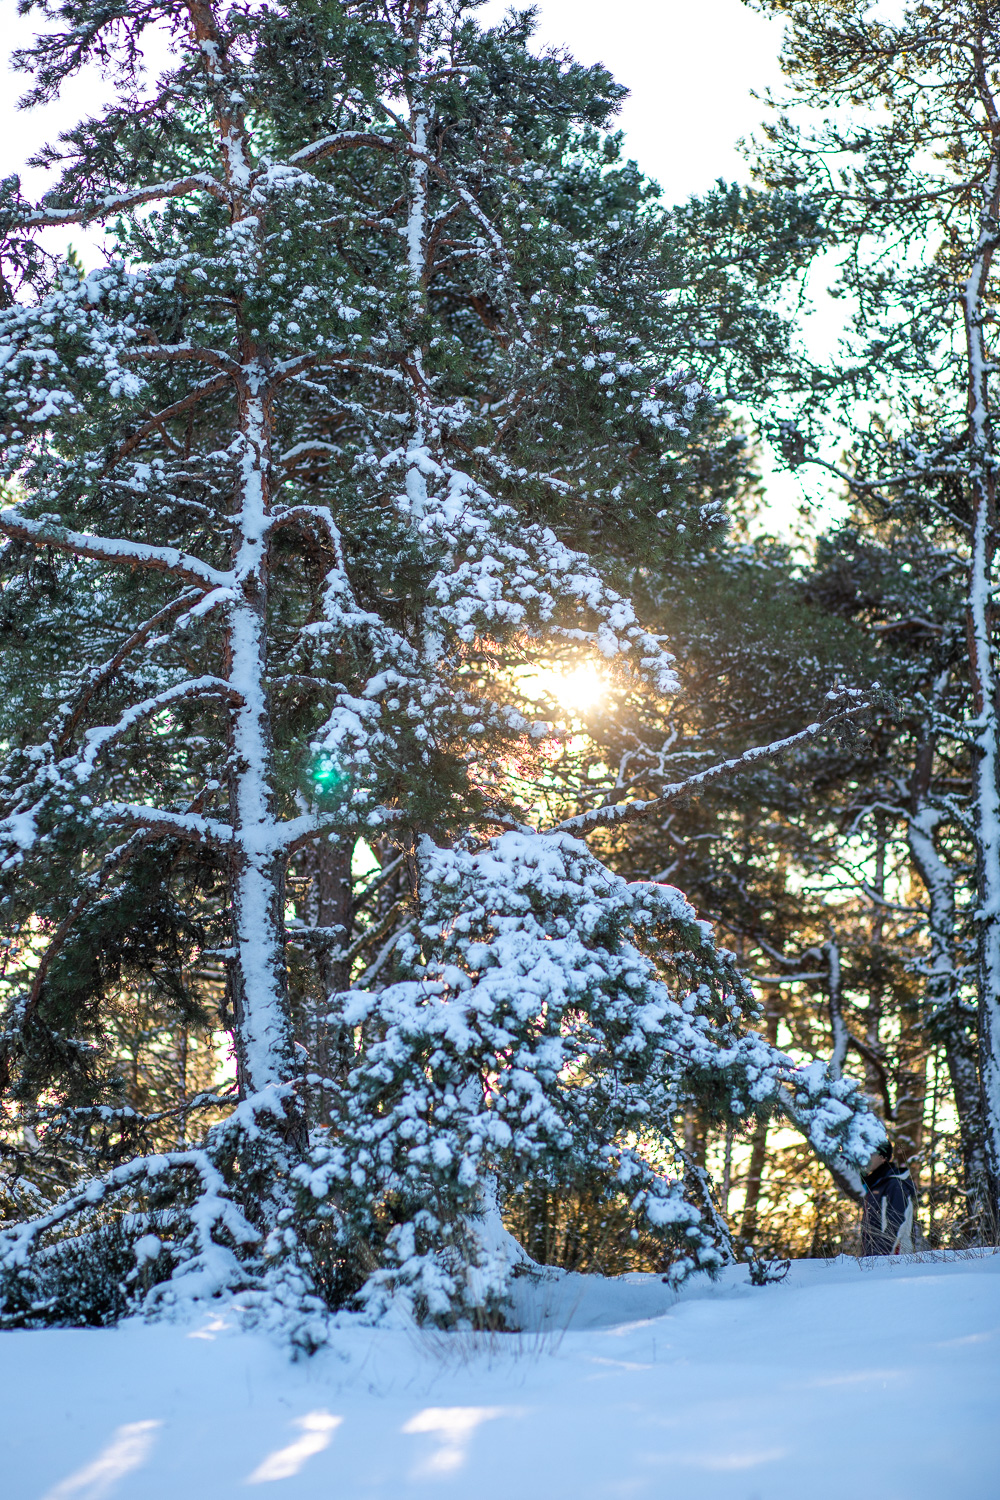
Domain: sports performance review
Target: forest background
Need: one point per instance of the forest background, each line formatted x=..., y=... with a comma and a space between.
x=847, y=871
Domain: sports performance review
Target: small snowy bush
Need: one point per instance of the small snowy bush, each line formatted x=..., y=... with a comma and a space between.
x=549, y=1020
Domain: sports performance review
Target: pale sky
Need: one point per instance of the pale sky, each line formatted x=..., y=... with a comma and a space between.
x=690, y=66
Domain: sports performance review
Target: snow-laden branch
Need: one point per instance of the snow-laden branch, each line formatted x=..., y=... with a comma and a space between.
x=314, y=448
x=872, y=487
x=107, y=1114
x=317, y=517
x=343, y=140
x=16, y=1242
x=630, y=812
x=116, y=203
x=97, y=740
x=103, y=674
x=291, y=369
x=158, y=821
x=186, y=354
x=212, y=1222
x=113, y=550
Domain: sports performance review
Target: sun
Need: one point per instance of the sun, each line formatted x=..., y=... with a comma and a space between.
x=579, y=689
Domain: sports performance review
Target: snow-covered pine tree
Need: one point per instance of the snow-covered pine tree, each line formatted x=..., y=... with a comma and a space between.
x=551, y=1022
x=299, y=454
x=910, y=194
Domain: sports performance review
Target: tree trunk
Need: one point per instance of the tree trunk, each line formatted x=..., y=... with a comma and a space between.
x=946, y=1021
x=911, y=1085
x=332, y=908
x=758, y=1151
x=264, y=1043
x=980, y=639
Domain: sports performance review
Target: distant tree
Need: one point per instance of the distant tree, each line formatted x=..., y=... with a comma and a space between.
x=904, y=173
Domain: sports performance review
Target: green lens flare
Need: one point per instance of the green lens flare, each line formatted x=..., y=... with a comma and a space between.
x=326, y=775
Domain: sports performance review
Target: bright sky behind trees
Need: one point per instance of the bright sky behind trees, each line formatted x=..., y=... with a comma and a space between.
x=691, y=69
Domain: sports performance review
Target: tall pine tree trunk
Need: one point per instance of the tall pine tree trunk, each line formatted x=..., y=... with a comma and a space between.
x=264, y=1043
x=980, y=638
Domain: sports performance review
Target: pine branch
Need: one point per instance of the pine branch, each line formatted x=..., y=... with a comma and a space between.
x=113, y=550
x=615, y=813
x=332, y=145
x=186, y=354
x=117, y=203
x=97, y=740
x=175, y=409
x=160, y=823
x=103, y=674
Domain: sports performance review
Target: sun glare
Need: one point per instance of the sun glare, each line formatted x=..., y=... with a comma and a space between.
x=580, y=690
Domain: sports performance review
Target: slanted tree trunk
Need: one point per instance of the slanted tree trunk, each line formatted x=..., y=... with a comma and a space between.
x=846, y=1176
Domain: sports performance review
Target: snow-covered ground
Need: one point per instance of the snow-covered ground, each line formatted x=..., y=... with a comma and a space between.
x=879, y=1379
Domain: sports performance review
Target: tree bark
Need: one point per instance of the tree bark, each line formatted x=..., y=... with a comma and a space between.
x=264, y=1041
x=980, y=640
x=946, y=1022
x=758, y=1150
